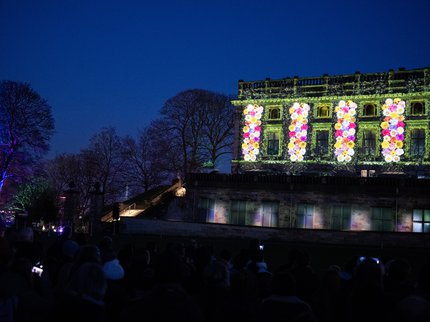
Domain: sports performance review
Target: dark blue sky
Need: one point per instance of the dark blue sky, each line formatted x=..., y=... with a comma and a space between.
x=114, y=63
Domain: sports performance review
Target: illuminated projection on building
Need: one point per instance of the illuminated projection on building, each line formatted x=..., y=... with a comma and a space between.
x=360, y=123
x=392, y=131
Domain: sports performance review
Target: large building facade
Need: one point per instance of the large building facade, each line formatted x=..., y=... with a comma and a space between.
x=347, y=152
x=358, y=124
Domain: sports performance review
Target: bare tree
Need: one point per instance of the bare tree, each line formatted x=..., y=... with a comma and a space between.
x=105, y=156
x=145, y=164
x=200, y=123
x=167, y=147
x=102, y=162
x=62, y=170
x=75, y=169
x=26, y=126
x=218, y=133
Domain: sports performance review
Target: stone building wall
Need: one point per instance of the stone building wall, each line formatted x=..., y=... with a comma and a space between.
x=360, y=195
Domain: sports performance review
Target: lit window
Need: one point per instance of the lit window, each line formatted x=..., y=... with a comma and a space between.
x=421, y=220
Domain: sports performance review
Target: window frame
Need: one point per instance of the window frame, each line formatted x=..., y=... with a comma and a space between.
x=206, y=210
x=270, y=111
x=368, y=150
x=364, y=109
x=378, y=220
x=272, y=213
x=344, y=217
x=413, y=109
x=417, y=143
x=326, y=108
x=423, y=222
x=270, y=140
x=305, y=216
x=318, y=140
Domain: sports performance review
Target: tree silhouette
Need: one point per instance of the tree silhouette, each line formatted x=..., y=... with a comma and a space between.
x=26, y=126
x=199, y=124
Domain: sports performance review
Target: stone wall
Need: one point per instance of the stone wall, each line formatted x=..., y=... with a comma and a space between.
x=153, y=227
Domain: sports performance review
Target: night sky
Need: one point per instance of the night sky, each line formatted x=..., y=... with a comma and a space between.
x=115, y=63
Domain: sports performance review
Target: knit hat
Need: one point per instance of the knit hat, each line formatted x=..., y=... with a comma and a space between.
x=113, y=270
x=262, y=267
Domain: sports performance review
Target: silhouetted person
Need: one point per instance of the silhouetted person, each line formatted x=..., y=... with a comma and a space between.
x=82, y=299
x=367, y=298
x=284, y=304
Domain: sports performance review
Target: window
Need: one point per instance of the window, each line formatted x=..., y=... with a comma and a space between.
x=367, y=173
x=274, y=113
x=341, y=217
x=417, y=108
x=206, y=210
x=323, y=111
x=238, y=212
x=382, y=219
x=305, y=216
x=421, y=221
x=272, y=143
x=369, y=109
x=321, y=143
x=270, y=210
x=369, y=143
x=417, y=142
x=243, y=212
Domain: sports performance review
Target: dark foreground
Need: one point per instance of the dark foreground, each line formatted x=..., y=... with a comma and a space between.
x=322, y=255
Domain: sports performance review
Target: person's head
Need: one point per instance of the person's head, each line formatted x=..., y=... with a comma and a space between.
x=368, y=270
x=70, y=248
x=90, y=280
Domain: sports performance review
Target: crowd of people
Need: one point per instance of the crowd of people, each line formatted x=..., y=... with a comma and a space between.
x=74, y=279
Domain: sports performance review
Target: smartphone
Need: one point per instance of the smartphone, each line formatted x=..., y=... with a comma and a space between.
x=37, y=269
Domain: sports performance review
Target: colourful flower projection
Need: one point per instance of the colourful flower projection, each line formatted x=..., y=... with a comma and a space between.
x=392, y=129
x=251, y=132
x=298, y=131
x=345, y=130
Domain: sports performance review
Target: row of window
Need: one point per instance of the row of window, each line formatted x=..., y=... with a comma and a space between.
x=266, y=214
x=368, y=143
x=368, y=109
